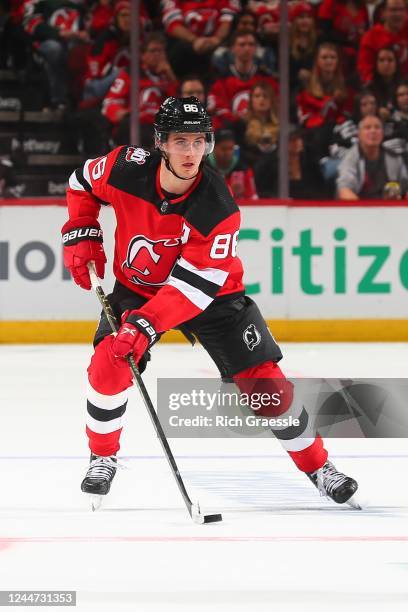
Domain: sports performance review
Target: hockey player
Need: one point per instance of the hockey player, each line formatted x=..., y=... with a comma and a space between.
x=175, y=265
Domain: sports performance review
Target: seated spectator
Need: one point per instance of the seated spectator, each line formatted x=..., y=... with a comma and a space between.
x=13, y=39
x=108, y=55
x=345, y=135
x=326, y=97
x=100, y=17
x=54, y=30
x=260, y=126
x=226, y=159
x=157, y=82
x=302, y=49
x=385, y=80
x=265, y=57
x=375, y=9
x=392, y=33
x=302, y=175
x=324, y=103
x=267, y=13
x=193, y=85
x=194, y=30
x=369, y=171
x=343, y=22
x=399, y=119
x=228, y=96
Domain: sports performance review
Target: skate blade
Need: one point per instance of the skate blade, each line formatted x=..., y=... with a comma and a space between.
x=96, y=501
x=354, y=503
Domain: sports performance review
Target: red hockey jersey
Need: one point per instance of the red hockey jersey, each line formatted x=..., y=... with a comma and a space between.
x=314, y=112
x=202, y=17
x=228, y=97
x=152, y=91
x=179, y=253
x=377, y=38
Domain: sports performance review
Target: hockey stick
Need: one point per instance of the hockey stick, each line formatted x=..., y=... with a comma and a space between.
x=193, y=509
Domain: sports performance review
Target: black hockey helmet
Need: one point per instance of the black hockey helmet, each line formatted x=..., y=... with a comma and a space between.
x=183, y=115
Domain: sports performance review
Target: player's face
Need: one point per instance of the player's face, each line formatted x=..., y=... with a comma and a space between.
x=185, y=152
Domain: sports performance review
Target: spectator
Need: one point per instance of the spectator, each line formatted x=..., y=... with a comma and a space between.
x=13, y=39
x=55, y=29
x=265, y=57
x=157, y=82
x=343, y=22
x=326, y=97
x=345, y=135
x=100, y=17
x=228, y=96
x=195, y=29
x=385, y=80
x=302, y=49
x=399, y=118
x=260, y=126
x=324, y=103
x=193, y=85
x=369, y=171
x=392, y=33
x=108, y=55
x=226, y=159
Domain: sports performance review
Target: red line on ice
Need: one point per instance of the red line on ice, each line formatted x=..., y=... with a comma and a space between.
x=124, y=539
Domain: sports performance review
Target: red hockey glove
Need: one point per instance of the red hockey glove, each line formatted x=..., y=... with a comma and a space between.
x=82, y=239
x=135, y=336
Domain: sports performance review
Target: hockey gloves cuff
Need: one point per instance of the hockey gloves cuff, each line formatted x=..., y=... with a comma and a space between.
x=135, y=336
x=82, y=240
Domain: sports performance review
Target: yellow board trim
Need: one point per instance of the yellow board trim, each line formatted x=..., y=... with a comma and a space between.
x=337, y=330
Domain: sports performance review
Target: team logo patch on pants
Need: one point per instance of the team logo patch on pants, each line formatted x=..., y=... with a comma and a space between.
x=251, y=337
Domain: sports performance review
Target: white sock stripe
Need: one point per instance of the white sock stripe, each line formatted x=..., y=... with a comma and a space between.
x=197, y=297
x=103, y=427
x=214, y=275
x=297, y=444
x=106, y=402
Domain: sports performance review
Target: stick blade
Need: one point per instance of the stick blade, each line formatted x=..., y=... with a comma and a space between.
x=201, y=519
x=212, y=518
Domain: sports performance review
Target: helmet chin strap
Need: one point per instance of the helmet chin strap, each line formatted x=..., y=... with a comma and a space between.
x=171, y=169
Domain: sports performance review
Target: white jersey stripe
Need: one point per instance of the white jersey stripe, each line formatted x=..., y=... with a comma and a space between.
x=87, y=176
x=297, y=444
x=214, y=275
x=197, y=297
x=74, y=183
x=105, y=402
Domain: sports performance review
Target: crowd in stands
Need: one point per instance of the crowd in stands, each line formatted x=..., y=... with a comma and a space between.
x=348, y=75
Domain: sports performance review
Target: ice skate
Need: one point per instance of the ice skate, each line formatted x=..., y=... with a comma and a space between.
x=335, y=485
x=98, y=478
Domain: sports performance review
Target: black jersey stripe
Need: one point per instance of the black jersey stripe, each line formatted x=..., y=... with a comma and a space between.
x=196, y=281
x=82, y=180
x=101, y=414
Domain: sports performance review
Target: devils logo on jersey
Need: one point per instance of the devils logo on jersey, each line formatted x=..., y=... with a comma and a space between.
x=137, y=155
x=251, y=337
x=150, y=262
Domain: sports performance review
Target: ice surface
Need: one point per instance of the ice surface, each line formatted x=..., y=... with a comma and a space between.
x=280, y=547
